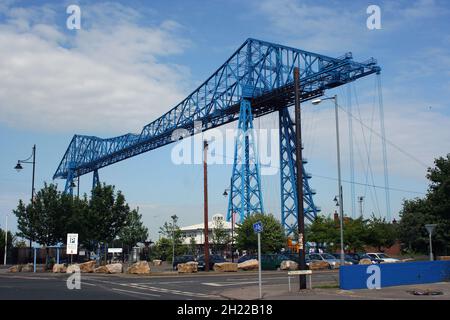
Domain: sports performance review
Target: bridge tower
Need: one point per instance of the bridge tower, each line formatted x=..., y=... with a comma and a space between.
x=245, y=190
x=288, y=177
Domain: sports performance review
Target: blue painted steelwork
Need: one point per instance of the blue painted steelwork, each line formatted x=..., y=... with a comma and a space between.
x=259, y=71
x=288, y=177
x=95, y=179
x=245, y=191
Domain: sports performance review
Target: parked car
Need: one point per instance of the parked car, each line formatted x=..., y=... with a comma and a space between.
x=269, y=261
x=332, y=261
x=212, y=259
x=347, y=258
x=182, y=259
x=374, y=259
x=383, y=257
x=246, y=257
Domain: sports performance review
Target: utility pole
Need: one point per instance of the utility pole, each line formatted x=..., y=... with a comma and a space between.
x=205, y=204
x=299, y=159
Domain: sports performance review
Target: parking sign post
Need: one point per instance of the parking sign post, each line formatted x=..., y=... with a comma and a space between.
x=257, y=227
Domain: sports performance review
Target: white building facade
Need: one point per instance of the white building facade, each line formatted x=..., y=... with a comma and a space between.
x=196, y=231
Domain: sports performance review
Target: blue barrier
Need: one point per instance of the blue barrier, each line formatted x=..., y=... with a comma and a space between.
x=376, y=276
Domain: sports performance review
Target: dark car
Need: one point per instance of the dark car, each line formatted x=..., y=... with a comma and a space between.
x=246, y=257
x=212, y=259
x=347, y=258
x=182, y=259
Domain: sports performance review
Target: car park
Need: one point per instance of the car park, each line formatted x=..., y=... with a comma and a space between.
x=182, y=259
x=332, y=261
x=347, y=258
x=212, y=259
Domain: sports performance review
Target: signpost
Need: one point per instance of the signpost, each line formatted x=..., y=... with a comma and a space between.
x=258, y=228
x=72, y=245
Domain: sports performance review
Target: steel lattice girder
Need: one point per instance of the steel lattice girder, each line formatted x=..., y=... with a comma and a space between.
x=245, y=190
x=288, y=177
x=263, y=68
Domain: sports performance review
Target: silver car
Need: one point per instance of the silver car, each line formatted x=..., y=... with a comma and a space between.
x=332, y=261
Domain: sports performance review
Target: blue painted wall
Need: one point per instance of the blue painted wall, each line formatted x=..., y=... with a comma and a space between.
x=394, y=274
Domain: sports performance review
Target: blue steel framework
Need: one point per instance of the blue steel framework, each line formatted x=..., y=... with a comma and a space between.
x=288, y=177
x=261, y=70
x=245, y=190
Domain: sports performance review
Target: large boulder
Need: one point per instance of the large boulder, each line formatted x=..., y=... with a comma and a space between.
x=157, y=262
x=365, y=261
x=318, y=265
x=87, y=267
x=16, y=268
x=141, y=267
x=226, y=267
x=288, y=265
x=27, y=268
x=443, y=258
x=188, y=267
x=59, y=268
x=251, y=264
x=73, y=268
x=101, y=269
x=114, y=268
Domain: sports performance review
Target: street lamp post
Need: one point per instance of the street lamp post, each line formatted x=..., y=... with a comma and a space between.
x=430, y=228
x=19, y=167
x=174, y=219
x=232, y=228
x=341, y=202
x=6, y=239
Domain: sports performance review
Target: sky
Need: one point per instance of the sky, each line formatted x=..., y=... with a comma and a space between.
x=131, y=61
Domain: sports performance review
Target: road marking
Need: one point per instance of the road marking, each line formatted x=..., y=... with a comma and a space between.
x=168, y=291
x=135, y=292
x=223, y=284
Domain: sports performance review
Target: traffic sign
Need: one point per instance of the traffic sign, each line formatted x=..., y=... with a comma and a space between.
x=257, y=227
x=72, y=243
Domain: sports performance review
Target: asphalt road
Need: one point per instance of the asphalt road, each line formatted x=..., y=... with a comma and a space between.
x=200, y=286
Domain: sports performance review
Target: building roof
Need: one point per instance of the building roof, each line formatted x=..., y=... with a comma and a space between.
x=211, y=224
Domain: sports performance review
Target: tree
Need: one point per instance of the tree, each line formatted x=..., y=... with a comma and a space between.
x=220, y=236
x=25, y=221
x=355, y=234
x=43, y=220
x=323, y=230
x=134, y=230
x=104, y=216
x=272, y=237
x=11, y=238
x=433, y=208
x=170, y=232
x=192, y=245
x=380, y=233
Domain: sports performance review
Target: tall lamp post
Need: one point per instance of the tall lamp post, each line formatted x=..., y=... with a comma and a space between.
x=225, y=193
x=19, y=167
x=6, y=239
x=174, y=219
x=430, y=228
x=340, y=201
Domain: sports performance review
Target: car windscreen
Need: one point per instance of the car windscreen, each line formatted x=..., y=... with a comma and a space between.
x=328, y=256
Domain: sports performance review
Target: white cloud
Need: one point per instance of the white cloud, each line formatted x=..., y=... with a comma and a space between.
x=107, y=77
